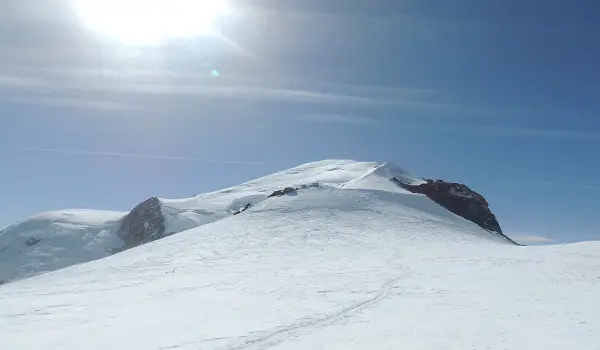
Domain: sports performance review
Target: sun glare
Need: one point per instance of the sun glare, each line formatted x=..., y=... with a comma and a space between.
x=149, y=21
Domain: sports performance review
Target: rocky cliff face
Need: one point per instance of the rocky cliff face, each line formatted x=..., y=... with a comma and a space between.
x=145, y=223
x=459, y=199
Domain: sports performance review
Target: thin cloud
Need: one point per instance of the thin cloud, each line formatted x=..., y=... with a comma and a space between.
x=130, y=155
x=339, y=119
x=214, y=89
x=532, y=239
x=248, y=92
x=48, y=78
x=15, y=81
x=557, y=134
x=384, y=91
x=506, y=132
x=29, y=75
x=68, y=102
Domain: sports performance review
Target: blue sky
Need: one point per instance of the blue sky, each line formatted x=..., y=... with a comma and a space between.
x=499, y=95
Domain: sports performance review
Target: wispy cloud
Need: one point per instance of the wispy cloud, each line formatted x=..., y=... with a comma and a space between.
x=532, y=239
x=129, y=155
x=248, y=92
x=507, y=132
x=339, y=119
x=63, y=81
x=92, y=87
x=68, y=102
x=16, y=81
x=562, y=134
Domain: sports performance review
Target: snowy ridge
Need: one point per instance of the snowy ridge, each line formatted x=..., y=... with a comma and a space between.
x=379, y=177
x=73, y=237
x=183, y=214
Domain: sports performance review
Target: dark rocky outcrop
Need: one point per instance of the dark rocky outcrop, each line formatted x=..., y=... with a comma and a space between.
x=246, y=207
x=460, y=200
x=145, y=223
x=283, y=192
x=293, y=190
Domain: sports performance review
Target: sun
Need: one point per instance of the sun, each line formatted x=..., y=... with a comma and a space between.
x=149, y=21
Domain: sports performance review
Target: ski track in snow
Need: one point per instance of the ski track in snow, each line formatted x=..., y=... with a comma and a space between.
x=311, y=323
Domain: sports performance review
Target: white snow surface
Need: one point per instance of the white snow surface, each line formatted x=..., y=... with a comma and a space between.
x=332, y=267
x=379, y=177
x=183, y=214
x=53, y=240
x=71, y=237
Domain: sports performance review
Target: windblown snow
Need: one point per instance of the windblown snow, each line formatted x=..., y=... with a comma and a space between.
x=351, y=264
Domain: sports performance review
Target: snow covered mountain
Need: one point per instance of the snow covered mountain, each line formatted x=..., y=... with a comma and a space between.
x=355, y=262
x=59, y=239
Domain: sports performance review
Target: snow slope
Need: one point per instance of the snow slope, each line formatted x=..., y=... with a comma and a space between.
x=182, y=214
x=53, y=240
x=76, y=236
x=378, y=178
x=332, y=267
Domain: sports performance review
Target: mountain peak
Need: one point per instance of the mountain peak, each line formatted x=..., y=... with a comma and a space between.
x=54, y=240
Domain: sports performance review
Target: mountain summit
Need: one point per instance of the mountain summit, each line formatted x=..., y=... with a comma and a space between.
x=55, y=240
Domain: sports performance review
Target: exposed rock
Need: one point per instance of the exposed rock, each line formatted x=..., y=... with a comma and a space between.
x=314, y=184
x=31, y=241
x=145, y=223
x=246, y=207
x=460, y=200
x=279, y=193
